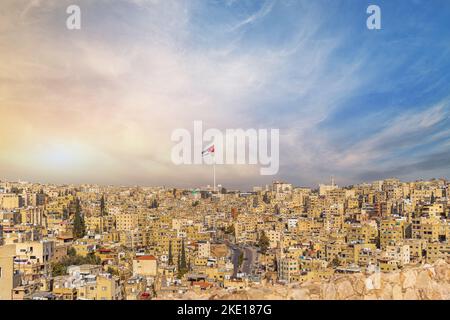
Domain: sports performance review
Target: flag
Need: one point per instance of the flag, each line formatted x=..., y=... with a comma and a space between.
x=208, y=151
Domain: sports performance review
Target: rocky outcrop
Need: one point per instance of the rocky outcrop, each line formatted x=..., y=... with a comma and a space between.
x=425, y=282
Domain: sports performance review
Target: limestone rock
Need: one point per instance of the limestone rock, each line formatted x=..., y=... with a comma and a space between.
x=329, y=291
x=344, y=290
x=408, y=278
x=397, y=292
x=412, y=283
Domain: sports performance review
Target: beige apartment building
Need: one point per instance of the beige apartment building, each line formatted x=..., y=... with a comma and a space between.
x=8, y=279
x=145, y=266
x=38, y=251
x=104, y=287
x=204, y=249
x=127, y=221
x=9, y=201
x=438, y=250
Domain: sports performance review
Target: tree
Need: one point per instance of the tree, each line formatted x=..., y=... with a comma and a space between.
x=263, y=242
x=91, y=258
x=266, y=198
x=71, y=252
x=72, y=259
x=79, y=228
x=170, y=254
x=182, y=265
x=58, y=269
x=65, y=214
x=102, y=205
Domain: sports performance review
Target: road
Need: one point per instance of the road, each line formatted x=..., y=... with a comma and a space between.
x=249, y=258
x=235, y=252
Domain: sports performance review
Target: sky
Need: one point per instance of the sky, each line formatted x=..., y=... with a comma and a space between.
x=99, y=104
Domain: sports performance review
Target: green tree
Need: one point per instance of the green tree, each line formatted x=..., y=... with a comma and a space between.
x=71, y=252
x=170, y=254
x=263, y=242
x=72, y=259
x=182, y=269
x=92, y=258
x=65, y=214
x=79, y=228
x=102, y=205
x=266, y=198
x=58, y=269
x=183, y=264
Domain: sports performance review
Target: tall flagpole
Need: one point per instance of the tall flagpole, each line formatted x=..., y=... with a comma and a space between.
x=214, y=169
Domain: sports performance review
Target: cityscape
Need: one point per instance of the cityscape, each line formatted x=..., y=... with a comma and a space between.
x=224, y=157
x=91, y=242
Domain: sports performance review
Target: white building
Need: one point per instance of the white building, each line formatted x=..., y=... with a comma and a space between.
x=398, y=252
x=204, y=249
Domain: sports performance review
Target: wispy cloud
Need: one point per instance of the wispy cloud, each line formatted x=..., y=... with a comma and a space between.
x=109, y=95
x=265, y=9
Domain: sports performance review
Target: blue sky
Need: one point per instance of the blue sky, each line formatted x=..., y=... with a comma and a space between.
x=355, y=103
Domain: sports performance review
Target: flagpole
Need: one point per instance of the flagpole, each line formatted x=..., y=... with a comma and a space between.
x=214, y=169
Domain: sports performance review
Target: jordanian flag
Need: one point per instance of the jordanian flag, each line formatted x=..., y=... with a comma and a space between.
x=208, y=151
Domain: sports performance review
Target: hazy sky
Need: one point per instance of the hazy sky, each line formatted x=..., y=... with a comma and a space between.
x=98, y=105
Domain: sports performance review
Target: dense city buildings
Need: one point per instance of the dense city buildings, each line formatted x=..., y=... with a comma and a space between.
x=78, y=242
